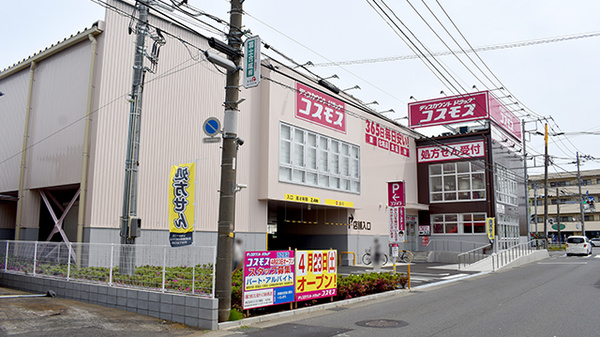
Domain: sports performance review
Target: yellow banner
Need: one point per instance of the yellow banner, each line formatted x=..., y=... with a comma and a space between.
x=316, y=274
x=339, y=203
x=182, y=181
x=302, y=198
x=490, y=228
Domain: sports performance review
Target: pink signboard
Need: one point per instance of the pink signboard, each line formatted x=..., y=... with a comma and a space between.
x=505, y=119
x=268, y=278
x=319, y=108
x=396, y=193
x=455, y=151
x=448, y=110
x=387, y=139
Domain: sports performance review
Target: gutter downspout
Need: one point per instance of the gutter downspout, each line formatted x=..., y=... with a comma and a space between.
x=24, y=153
x=86, y=146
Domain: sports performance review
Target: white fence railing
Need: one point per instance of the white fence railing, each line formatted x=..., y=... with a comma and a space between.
x=473, y=255
x=189, y=269
x=506, y=256
x=440, y=245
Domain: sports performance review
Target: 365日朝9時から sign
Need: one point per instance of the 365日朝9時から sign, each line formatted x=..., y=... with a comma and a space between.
x=448, y=110
x=319, y=108
x=455, y=151
x=387, y=139
x=316, y=274
x=268, y=278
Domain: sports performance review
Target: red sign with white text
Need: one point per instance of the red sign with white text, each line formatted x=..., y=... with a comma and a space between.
x=396, y=194
x=505, y=119
x=448, y=110
x=319, y=108
x=455, y=151
x=387, y=139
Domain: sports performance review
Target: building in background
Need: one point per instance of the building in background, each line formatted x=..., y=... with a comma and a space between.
x=564, y=208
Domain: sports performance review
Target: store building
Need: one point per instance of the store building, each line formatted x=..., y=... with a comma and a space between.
x=472, y=175
x=316, y=161
x=565, y=208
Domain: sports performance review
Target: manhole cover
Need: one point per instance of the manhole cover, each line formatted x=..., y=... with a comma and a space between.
x=382, y=323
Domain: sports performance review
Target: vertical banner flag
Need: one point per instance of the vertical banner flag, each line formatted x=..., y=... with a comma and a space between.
x=397, y=224
x=316, y=274
x=182, y=182
x=490, y=227
x=268, y=278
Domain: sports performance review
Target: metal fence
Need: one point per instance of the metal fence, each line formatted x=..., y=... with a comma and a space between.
x=473, y=255
x=506, y=256
x=440, y=245
x=189, y=269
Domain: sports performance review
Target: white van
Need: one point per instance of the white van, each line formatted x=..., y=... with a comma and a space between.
x=578, y=245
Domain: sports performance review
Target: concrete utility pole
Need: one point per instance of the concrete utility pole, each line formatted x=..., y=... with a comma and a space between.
x=228, y=168
x=546, y=187
x=128, y=234
x=558, y=216
x=580, y=198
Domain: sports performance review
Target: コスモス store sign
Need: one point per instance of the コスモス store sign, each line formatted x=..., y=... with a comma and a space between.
x=464, y=108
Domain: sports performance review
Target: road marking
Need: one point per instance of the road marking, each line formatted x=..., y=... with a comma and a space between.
x=434, y=275
x=453, y=276
x=562, y=263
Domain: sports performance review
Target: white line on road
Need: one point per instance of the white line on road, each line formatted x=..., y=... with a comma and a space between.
x=453, y=276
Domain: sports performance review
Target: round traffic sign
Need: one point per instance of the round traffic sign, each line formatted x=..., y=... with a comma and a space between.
x=211, y=126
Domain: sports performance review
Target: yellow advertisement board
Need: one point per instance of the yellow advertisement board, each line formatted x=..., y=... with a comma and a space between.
x=316, y=274
x=182, y=181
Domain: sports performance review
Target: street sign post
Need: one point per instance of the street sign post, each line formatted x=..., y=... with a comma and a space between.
x=396, y=195
x=211, y=126
x=252, y=62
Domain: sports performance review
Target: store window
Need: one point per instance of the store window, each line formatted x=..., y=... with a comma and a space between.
x=506, y=186
x=464, y=223
x=458, y=181
x=312, y=159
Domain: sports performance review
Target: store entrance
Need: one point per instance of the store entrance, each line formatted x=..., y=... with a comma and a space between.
x=306, y=227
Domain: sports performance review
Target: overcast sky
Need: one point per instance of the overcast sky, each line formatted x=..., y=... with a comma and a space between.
x=552, y=77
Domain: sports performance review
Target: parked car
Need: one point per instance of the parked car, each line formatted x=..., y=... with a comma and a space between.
x=578, y=245
x=595, y=242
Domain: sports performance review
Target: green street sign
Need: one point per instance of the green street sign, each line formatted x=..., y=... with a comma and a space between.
x=555, y=227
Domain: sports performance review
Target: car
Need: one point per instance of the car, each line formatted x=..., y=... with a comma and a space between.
x=595, y=242
x=578, y=245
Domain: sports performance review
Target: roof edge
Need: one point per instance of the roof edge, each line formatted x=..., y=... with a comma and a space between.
x=97, y=28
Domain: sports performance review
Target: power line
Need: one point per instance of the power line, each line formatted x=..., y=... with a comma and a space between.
x=509, y=45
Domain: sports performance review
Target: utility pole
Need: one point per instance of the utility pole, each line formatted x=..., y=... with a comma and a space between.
x=228, y=168
x=558, y=216
x=129, y=224
x=546, y=187
x=527, y=211
x=536, y=211
x=580, y=198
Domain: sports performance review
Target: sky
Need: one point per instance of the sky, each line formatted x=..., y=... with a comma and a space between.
x=544, y=53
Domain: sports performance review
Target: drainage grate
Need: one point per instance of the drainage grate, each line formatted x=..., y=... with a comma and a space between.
x=382, y=323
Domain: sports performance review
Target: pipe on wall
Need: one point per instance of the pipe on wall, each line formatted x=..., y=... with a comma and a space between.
x=19, y=219
x=86, y=142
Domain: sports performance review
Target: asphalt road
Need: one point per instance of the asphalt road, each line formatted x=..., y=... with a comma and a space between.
x=553, y=297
